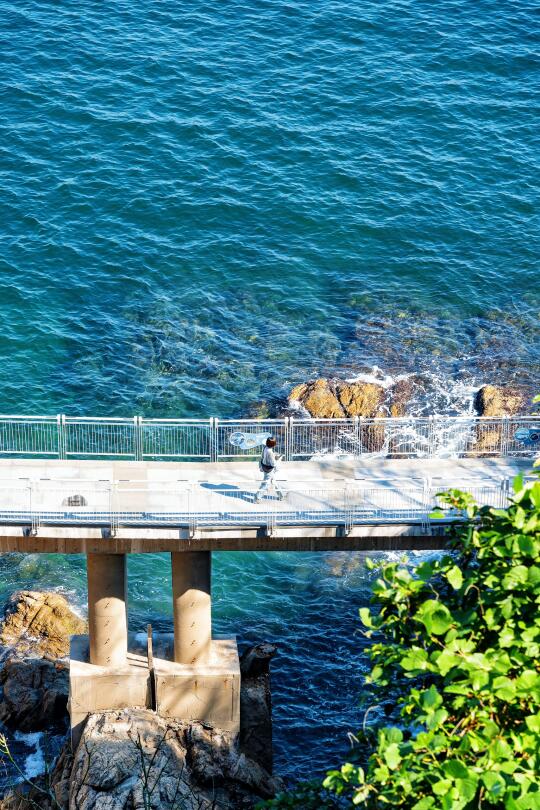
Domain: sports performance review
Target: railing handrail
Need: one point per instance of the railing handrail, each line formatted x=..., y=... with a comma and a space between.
x=279, y=419
x=140, y=438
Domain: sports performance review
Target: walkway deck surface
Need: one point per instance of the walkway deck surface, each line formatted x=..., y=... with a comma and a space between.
x=152, y=506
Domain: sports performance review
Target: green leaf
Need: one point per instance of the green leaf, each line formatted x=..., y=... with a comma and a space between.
x=455, y=577
x=447, y=660
x=365, y=615
x=435, y=617
x=425, y=571
x=467, y=787
x=533, y=723
x=424, y=804
x=535, y=494
x=430, y=699
x=504, y=688
x=392, y=757
x=415, y=659
x=527, y=546
x=527, y=681
x=494, y=783
x=456, y=769
x=516, y=577
x=393, y=734
x=442, y=787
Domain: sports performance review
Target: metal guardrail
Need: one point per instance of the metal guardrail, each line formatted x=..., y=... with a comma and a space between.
x=64, y=437
x=191, y=506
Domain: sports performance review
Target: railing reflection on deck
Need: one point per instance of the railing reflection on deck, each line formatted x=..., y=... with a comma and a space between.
x=76, y=503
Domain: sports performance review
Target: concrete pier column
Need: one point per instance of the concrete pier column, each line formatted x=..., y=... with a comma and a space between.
x=191, y=575
x=107, y=613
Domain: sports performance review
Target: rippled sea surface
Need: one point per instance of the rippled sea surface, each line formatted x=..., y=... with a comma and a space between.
x=202, y=205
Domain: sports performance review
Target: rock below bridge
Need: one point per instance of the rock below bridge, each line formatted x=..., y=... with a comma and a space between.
x=39, y=623
x=134, y=758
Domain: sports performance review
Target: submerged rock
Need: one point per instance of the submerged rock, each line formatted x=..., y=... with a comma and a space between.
x=499, y=400
x=39, y=624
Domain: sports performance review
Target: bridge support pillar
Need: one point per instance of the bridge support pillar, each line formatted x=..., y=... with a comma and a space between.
x=190, y=677
x=107, y=613
x=192, y=603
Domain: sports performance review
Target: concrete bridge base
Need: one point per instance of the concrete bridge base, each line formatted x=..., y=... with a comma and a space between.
x=191, y=676
x=208, y=692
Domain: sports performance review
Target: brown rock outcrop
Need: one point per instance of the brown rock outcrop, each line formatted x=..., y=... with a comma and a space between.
x=498, y=400
x=334, y=399
x=361, y=398
x=33, y=682
x=318, y=398
x=401, y=394
x=34, y=693
x=39, y=624
x=495, y=401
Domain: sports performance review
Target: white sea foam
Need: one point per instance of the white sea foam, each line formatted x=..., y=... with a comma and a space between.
x=296, y=405
x=34, y=763
x=379, y=377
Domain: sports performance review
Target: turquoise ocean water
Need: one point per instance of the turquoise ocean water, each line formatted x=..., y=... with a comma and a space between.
x=203, y=204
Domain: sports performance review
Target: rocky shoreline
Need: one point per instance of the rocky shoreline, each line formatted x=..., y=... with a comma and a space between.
x=131, y=758
x=334, y=398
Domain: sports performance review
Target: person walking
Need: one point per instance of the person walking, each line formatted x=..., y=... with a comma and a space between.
x=268, y=465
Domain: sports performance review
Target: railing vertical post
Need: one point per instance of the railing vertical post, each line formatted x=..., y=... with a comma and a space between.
x=426, y=504
x=288, y=438
x=214, y=438
x=356, y=430
x=113, y=514
x=431, y=435
x=359, y=426
x=137, y=438
x=505, y=493
x=505, y=436
x=191, y=517
x=61, y=434
x=34, y=514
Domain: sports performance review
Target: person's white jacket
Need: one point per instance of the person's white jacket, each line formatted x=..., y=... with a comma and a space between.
x=269, y=457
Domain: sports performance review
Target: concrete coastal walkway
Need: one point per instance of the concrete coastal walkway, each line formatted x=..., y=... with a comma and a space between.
x=329, y=503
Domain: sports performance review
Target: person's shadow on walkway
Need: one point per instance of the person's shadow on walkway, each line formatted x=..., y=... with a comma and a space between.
x=231, y=491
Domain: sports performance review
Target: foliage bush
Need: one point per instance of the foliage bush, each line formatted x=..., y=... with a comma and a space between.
x=463, y=633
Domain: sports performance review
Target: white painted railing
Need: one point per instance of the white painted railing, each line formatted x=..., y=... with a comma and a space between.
x=110, y=505
x=140, y=439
